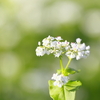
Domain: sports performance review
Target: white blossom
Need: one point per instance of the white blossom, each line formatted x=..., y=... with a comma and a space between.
x=39, y=43
x=57, y=53
x=46, y=42
x=78, y=40
x=60, y=80
x=78, y=50
x=58, y=38
x=50, y=38
x=88, y=47
x=40, y=51
x=54, y=45
x=64, y=44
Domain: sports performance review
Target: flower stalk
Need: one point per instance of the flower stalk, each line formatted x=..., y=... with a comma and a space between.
x=61, y=65
x=68, y=63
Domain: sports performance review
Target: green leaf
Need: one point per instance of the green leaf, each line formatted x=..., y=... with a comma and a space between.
x=57, y=93
x=59, y=71
x=69, y=71
x=73, y=85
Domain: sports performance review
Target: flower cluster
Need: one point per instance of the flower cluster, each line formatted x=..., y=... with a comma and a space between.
x=60, y=80
x=57, y=47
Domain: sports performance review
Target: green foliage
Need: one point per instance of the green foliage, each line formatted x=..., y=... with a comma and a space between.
x=73, y=85
x=66, y=92
x=68, y=71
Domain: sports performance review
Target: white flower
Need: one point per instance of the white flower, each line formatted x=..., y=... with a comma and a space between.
x=54, y=77
x=53, y=45
x=59, y=45
x=45, y=42
x=78, y=40
x=60, y=80
x=50, y=38
x=88, y=47
x=49, y=51
x=82, y=46
x=64, y=44
x=74, y=46
x=39, y=43
x=70, y=54
x=78, y=57
x=40, y=51
x=78, y=50
x=58, y=38
x=57, y=53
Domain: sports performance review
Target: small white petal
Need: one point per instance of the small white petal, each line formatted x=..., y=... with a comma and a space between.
x=88, y=47
x=87, y=52
x=72, y=55
x=54, y=76
x=58, y=38
x=78, y=40
x=40, y=51
x=83, y=47
x=39, y=43
x=78, y=57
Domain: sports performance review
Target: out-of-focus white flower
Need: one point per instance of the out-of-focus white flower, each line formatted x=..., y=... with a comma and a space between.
x=40, y=51
x=60, y=80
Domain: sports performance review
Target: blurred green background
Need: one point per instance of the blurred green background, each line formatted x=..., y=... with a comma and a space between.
x=23, y=75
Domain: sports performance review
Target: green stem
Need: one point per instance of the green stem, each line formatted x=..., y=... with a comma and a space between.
x=68, y=63
x=61, y=64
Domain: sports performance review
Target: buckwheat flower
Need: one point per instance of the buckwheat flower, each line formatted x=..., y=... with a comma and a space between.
x=45, y=42
x=82, y=46
x=65, y=43
x=70, y=54
x=78, y=40
x=58, y=38
x=79, y=55
x=39, y=43
x=74, y=47
x=57, y=53
x=78, y=50
x=59, y=45
x=88, y=47
x=58, y=83
x=60, y=80
x=54, y=77
x=49, y=51
x=53, y=44
x=40, y=51
x=50, y=38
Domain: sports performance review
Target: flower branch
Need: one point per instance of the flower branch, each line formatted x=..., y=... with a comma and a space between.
x=61, y=87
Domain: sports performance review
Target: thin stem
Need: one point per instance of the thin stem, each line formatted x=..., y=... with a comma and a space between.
x=61, y=64
x=68, y=63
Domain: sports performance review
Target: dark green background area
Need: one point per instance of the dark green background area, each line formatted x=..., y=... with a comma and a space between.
x=23, y=75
